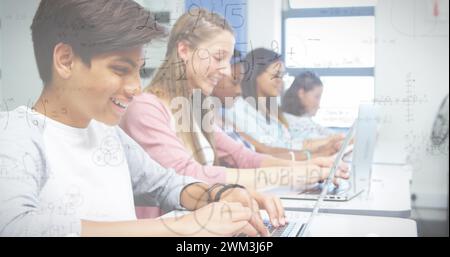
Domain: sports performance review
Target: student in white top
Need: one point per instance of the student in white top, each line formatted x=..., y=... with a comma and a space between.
x=67, y=169
x=300, y=103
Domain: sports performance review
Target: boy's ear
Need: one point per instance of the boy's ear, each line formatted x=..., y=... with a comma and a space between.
x=301, y=93
x=63, y=60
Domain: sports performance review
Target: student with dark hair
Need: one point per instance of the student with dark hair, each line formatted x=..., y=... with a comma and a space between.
x=258, y=118
x=300, y=103
x=228, y=91
x=69, y=170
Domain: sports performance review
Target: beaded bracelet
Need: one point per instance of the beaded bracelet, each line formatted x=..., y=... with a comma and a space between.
x=225, y=188
x=210, y=200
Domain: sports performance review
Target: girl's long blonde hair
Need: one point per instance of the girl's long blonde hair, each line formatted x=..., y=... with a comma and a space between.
x=194, y=27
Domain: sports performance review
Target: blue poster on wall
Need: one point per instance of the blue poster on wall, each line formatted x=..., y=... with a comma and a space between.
x=235, y=12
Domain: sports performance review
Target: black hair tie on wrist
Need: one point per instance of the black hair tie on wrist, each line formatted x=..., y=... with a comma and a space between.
x=225, y=188
x=210, y=200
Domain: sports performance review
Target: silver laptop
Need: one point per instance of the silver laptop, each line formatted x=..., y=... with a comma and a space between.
x=294, y=228
x=297, y=228
x=364, y=132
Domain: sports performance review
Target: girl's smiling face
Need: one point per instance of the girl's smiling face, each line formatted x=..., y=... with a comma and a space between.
x=209, y=62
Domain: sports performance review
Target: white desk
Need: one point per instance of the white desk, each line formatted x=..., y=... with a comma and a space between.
x=339, y=225
x=389, y=196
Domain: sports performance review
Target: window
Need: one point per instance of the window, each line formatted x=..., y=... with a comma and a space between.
x=336, y=42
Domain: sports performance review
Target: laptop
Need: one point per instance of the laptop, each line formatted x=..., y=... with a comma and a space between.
x=363, y=131
x=292, y=229
x=297, y=227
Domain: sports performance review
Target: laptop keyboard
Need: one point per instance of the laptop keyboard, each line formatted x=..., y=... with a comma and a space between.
x=284, y=231
x=292, y=229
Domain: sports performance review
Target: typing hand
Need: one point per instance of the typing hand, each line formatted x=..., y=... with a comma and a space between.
x=337, y=139
x=218, y=219
x=254, y=200
x=318, y=170
x=331, y=146
x=273, y=206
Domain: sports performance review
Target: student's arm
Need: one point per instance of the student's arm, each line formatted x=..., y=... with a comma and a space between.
x=138, y=228
x=277, y=152
x=265, y=165
x=150, y=178
x=147, y=121
x=23, y=174
x=217, y=219
x=245, y=121
x=171, y=190
x=23, y=213
x=235, y=154
x=324, y=147
x=206, y=220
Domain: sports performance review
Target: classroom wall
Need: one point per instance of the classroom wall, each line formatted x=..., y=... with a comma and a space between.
x=156, y=50
x=234, y=11
x=264, y=24
x=20, y=83
x=412, y=66
x=1, y=60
